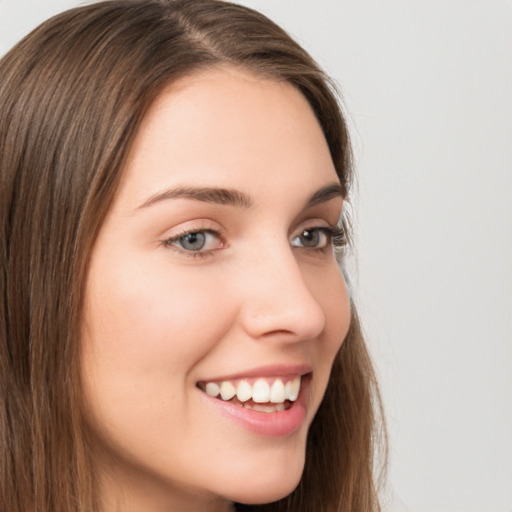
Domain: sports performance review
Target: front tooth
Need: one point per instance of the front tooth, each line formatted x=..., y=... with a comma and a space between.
x=277, y=394
x=261, y=391
x=212, y=389
x=227, y=390
x=294, y=389
x=243, y=391
x=287, y=388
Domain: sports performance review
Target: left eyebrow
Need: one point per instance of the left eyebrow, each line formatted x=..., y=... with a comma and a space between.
x=325, y=194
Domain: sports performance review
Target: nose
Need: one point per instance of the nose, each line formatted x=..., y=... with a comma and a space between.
x=278, y=299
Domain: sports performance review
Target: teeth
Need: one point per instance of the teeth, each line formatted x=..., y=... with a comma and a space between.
x=261, y=392
x=265, y=407
x=294, y=389
x=227, y=390
x=212, y=389
x=287, y=388
x=243, y=391
x=277, y=394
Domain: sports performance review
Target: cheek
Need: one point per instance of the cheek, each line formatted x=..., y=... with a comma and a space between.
x=153, y=315
x=339, y=311
x=143, y=334
x=330, y=290
x=331, y=293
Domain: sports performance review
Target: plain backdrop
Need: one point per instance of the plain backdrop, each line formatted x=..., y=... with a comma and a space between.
x=427, y=85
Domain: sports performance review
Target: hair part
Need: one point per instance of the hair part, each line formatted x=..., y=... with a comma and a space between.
x=72, y=96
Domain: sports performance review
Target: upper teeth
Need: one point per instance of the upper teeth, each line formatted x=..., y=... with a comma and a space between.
x=262, y=391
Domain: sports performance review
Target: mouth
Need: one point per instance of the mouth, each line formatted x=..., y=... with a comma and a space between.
x=262, y=394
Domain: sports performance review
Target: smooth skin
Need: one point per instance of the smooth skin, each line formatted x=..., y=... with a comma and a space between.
x=183, y=289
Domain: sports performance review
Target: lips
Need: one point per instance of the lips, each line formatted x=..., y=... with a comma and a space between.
x=267, y=400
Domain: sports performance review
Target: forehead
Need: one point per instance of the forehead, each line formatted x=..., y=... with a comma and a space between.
x=228, y=127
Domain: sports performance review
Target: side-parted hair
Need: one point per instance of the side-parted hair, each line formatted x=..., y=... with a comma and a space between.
x=72, y=96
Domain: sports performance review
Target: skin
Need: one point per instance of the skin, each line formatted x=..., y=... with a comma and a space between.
x=160, y=318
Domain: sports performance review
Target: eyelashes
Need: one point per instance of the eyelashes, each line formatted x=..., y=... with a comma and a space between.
x=203, y=242
x=320, y=238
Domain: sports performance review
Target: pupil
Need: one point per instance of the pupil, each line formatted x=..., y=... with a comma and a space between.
x=193, y=241
x=310, y=238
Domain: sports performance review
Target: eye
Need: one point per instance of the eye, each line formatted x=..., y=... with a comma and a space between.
x=313, y=238
x=197, y=241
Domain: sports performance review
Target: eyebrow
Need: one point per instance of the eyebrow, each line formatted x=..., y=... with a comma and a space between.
x=231, y=197
x=206, y=194
x=325, y=194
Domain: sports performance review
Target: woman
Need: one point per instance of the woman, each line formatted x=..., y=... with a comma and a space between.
x=175, y=331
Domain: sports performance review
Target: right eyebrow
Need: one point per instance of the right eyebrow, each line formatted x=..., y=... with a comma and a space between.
x=222, y=196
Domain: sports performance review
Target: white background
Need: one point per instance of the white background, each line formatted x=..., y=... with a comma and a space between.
x=428, y=88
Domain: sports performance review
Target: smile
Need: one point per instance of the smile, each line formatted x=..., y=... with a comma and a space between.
x=275, y=394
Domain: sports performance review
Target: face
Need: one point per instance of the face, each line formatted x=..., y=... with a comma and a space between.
x=213, y=290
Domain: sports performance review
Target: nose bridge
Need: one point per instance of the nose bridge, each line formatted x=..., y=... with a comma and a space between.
x=278, y=299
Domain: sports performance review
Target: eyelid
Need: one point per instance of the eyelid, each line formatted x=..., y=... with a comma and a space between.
x=315, y=223
x=320, y=223
x=191, y=226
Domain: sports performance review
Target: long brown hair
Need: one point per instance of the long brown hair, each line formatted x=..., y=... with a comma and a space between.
x=72, y=95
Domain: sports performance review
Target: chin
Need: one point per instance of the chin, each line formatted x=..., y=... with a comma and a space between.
x=272, y=484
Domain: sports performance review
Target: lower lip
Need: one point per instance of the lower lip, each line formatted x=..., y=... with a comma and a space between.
x=271, y=424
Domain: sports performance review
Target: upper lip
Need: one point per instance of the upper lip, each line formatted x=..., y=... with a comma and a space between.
x=272, y=370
